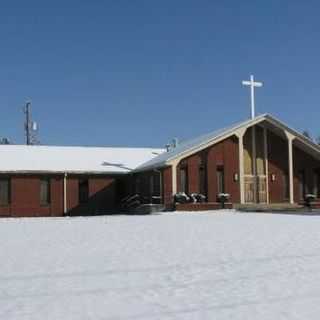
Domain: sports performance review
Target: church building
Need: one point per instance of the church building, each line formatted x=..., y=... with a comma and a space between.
x=258, y=161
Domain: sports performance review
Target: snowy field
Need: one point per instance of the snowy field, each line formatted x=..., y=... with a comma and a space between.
x=224, y=265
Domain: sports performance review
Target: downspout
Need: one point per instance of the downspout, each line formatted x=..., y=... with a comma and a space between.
x=65, y=207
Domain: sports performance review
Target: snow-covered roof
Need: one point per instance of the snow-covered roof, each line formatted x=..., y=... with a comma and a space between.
x=54, y=159
x=100, y=160
x=195, y=144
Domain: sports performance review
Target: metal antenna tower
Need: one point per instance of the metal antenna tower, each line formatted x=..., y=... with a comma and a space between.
x=30, y=127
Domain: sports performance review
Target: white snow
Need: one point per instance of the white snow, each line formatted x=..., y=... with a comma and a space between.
x=21, y=158
x=218, y=265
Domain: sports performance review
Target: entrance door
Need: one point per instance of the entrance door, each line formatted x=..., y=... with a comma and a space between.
x=255, y=193
x=262, y=189
x=249, y=189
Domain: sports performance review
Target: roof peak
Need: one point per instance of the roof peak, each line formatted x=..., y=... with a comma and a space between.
x=196, y=144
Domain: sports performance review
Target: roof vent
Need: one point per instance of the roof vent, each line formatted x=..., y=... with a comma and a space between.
x=175, y=142
x=170, y=146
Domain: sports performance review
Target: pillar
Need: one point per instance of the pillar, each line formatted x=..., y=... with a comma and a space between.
x=254, y=163
x=240, y=135
x=265, y=138
x=65, y=207
x=290, y=138
x=174, y=178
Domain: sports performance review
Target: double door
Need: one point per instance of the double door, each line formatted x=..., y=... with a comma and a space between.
x=255, y=188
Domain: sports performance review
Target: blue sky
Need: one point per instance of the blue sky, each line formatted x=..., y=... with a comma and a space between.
x=137, y=73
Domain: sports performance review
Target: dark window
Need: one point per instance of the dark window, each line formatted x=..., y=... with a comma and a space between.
x=184, y=179
x=45, y=191
x=151, y=184
x=83, y=191
x=220, y=179
x=302, y=184
x=316, y=184
x=203, y=176
x=285, y=186
x=155, y=184
x=137, y=185
x=5, y=192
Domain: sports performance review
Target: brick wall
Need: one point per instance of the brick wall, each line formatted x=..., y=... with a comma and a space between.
x=278, y=165
x=225, y=153
x=303, y=161
x=25, y=196
x=167, y=187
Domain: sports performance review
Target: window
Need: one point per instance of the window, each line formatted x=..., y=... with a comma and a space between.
x=83, y=191
x=5, y=192
x=285, y=186
x=316, y=183
x=302, y=184
x=203, y=176
x=155, y=184
x=45, y=191
x=137, y=185
x=151, y=184
x=220, y=179
x=184, y=179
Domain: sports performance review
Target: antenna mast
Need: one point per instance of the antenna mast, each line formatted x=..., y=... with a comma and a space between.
x=30, y=126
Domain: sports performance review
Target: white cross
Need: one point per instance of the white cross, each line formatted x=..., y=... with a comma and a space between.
x=252, y=84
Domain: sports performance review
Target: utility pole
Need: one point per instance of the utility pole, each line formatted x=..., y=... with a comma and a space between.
x=27, y=123
x=30, y=126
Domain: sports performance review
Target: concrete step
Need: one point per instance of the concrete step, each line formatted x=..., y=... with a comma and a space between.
x=279, y=207
x=147, y=209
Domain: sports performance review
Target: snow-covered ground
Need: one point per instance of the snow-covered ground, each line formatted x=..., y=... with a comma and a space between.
x=222, y=265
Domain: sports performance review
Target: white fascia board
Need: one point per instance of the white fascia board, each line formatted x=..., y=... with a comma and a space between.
x=36, y=172
x=219, y=138
x=295, y=133
x=244, y=126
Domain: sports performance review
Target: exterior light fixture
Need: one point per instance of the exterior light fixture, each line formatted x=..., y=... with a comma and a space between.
x=236, y=177
x=273, y=177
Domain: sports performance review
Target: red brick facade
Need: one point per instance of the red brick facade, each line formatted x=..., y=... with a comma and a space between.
x=224, y=153
x=278, y=166
x=167, y=187
x=304, y=162
x=25, y=196
x=105, y=191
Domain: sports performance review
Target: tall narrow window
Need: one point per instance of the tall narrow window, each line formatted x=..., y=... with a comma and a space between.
x=220, y=180
x=83, y=190
x=302, y=184
x=184, y=179
x=203, y=175
x=155, y=184
x=5, y=192
x=151, y=184
x=316, y=183
x=137, y=185
x=285, y=186
x=44, y=191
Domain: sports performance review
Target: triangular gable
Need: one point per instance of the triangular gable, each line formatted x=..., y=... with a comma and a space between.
x=190, y=147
